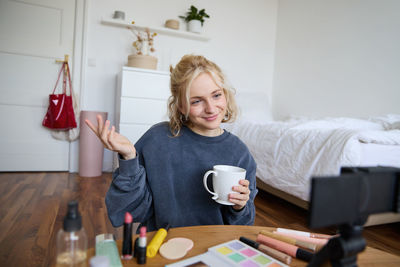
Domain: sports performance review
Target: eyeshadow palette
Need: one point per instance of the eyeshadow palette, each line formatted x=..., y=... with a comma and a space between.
x=232, y=253
x=240, y=254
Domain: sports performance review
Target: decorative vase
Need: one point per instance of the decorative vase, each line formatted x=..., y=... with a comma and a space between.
x=142, y=61
x=195, y=26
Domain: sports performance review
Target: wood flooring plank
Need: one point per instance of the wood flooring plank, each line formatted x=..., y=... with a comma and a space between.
x=46, y=219
x=50, y=187
x=14, y=209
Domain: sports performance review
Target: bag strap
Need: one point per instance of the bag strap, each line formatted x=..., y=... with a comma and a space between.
x=64, y=86
x=69, y=79
x=58, y=79
x=65, y=70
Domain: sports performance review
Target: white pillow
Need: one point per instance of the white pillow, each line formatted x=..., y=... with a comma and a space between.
x=389, y=121
x=253, y=107
x=334, y=123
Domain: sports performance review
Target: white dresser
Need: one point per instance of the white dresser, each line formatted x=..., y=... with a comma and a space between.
x=141, y=101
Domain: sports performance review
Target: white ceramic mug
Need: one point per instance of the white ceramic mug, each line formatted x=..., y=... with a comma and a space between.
x=224, y=178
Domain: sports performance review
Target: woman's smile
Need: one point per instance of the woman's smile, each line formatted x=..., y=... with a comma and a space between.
x=211, y=118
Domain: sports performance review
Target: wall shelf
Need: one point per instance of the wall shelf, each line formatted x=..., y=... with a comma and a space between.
x=159, y=30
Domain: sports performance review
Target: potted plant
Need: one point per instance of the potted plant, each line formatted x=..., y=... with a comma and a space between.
x=195, y=18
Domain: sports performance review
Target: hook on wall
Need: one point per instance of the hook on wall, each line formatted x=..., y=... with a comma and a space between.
x=66, y=57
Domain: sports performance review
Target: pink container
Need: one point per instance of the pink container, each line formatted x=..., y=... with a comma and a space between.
x=91, y=150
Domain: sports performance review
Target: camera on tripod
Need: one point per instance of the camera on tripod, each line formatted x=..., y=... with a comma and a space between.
x=346, y=201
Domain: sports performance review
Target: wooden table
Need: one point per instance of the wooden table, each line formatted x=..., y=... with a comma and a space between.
x=208, y=236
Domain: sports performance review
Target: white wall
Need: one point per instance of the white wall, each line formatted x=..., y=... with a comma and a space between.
x=242, y=43
x=337, y=58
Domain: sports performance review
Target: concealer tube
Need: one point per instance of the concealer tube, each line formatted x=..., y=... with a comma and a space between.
x=156, y=242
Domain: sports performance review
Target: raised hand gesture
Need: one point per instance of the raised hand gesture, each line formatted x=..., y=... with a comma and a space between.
x=111, y=139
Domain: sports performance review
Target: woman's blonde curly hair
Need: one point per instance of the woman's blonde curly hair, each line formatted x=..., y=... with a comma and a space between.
x=182, y=76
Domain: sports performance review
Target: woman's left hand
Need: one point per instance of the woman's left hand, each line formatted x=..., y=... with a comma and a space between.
x=240, y=199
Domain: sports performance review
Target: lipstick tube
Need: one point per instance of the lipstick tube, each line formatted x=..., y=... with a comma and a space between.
x=141, y=248
x=127, y=239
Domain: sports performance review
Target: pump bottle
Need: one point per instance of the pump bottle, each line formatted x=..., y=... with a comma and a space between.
x=72, y=240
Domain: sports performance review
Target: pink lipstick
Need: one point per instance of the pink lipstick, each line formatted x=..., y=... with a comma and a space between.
x=127, y=241
x=142, y=243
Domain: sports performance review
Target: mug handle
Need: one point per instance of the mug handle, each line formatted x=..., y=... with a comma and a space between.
x=215, y=195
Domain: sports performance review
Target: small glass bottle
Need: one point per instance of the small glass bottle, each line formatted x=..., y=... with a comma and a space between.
x=72, y=240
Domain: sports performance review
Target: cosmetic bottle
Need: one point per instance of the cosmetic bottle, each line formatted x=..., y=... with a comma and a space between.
x=72, y=240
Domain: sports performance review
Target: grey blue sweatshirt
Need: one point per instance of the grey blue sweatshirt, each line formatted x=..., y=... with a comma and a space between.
x=164, y=183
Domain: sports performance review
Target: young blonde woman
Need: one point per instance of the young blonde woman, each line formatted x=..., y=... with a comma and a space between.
x=160, y=178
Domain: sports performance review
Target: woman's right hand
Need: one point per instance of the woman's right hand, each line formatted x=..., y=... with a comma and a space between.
x=111, y=139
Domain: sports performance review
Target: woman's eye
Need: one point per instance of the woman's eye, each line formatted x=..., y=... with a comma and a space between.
x=217, y=95
x=195, y=102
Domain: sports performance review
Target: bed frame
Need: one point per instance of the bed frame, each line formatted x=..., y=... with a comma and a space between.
x=375, y=219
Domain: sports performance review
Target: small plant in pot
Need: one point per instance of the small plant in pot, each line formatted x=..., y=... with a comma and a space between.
x=195, y=18
x=144, y=46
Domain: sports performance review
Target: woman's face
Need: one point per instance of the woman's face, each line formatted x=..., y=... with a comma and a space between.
x=207, y=106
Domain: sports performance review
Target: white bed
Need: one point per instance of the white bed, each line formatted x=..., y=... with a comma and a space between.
x=288, y=153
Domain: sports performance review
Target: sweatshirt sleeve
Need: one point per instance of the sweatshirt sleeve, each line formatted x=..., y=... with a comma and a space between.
x=129, y=192
x=245, y=216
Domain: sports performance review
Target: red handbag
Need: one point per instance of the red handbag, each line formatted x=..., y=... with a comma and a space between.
x=60, y=113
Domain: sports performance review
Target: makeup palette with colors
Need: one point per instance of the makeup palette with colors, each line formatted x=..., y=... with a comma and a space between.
x=232, y=253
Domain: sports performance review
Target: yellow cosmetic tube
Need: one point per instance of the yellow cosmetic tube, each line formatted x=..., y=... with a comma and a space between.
x=156, y=242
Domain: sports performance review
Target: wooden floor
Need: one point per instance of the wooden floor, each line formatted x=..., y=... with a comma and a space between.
x=33, y=206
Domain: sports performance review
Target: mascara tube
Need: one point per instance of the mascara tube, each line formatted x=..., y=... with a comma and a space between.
x=127, y=240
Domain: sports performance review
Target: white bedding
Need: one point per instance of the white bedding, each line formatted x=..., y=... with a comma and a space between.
x=289, y=152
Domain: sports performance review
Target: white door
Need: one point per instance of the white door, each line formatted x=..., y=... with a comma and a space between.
x=33, y=34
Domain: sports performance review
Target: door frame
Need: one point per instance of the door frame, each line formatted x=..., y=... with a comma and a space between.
x=78, y=70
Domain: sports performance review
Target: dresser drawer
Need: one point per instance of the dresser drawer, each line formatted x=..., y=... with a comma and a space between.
x=145, y=84
x=143, y=111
